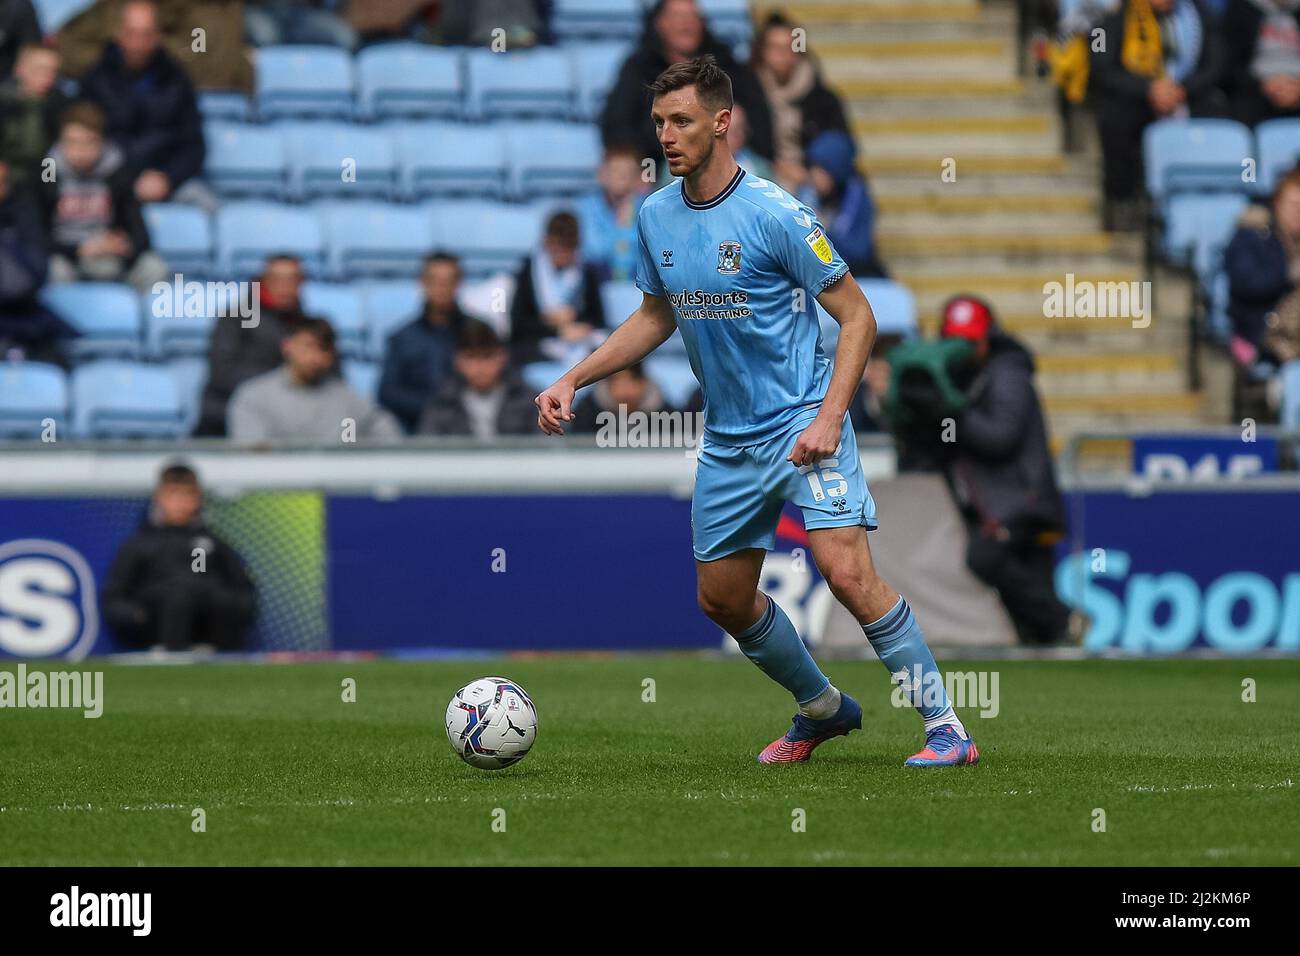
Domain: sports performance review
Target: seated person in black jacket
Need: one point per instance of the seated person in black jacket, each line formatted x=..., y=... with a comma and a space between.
x=418, y=356
x=485, y=398
x=557, y=297
x=174, y=584
x=1262, y=38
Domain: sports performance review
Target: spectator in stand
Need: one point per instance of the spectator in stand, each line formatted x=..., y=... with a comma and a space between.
x=238, y=352
x=1263, y=265
x=557, y=303
x=273, y=22
x=843, y=202
x=30, y=107
x=1262, y=39
x=738, y=140
x=802, y=106
x=418, y=356
x=94, y=221
x=607, y=216
x=675, y=32
x=161, y=594
x=1162, y=58
x=475, y=22
x=28, y=330
x=19, y=27
x=485, y=399
x=866, y=410
x=631, y=390
x=305, y=399
x=152, y=111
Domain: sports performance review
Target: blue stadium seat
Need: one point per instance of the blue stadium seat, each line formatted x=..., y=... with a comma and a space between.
x=245, y=160
x=363, y=377
x=529, y=83
x=1278, y=142
x=1198, y=228
x=729, y=20
x=182, y=235
x=225, y=106
x=410, y=81
x=30, y=393
x=179, y=322
x=488, y=237
x=190, y=375
x=303, y=81
x=53, y=14
x=553, y=158
x=893, y=305
x=1203, y=155
x=673, y=375
x=1217, y=318
x=377, y=240
x=106, y=313
x=595, y=67
x=248, y=232
x=620, y=300
x=598, y=19
x=539, y=375
x=340, y=303
x=126, y=400
x=387, y=306
x=317, y=152
x=451, y=159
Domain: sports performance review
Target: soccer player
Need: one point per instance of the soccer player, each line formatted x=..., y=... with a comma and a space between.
x=732, y=261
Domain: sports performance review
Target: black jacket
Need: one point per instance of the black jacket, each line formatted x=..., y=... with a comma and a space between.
x=157, y=557
x=1001, y=467
x=1258, y=274
x=24, y=260
x=1110, y=80
x=119, y=184
x=527, y=328
x=417, y=360
x=18, y=27
x=153, y=114
x=625, y=119
x=446, y=415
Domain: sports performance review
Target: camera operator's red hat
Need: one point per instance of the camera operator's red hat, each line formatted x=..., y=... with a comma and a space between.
x=966, y=317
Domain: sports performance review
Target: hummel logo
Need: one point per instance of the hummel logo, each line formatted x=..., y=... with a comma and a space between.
x=667, y=258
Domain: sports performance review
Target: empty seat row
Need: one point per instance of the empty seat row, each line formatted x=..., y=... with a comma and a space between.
x=1217, y=155
x=401, y=161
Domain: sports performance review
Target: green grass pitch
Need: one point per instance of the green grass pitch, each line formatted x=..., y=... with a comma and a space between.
x=288, y=773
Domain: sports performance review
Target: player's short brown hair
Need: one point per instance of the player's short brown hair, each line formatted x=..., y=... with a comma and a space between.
x=712, y=85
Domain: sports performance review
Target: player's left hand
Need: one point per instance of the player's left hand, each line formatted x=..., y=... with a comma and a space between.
x=819, y=440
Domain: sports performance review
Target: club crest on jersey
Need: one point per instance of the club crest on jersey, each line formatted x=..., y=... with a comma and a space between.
x=729, y=257
x=820, y=245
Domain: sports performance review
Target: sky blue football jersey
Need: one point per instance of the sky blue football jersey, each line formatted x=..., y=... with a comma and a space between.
x=741, y=272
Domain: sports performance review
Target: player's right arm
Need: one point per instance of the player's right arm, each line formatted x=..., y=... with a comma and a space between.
x=644, y=331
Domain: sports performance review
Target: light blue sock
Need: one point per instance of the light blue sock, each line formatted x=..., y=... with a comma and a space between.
x=901, y=647
x=773, y=644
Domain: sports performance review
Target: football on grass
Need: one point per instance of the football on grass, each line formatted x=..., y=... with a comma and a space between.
x=491, y=723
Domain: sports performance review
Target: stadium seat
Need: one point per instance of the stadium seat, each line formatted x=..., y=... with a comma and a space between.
x=451, y=159
x=674, y=377
x=178, y=321
x=553, y=158
x=317, y=153
x=538, y=375
x=1278, y=143
x=248, y=232
x=528, y=83
x=190, y=375
x=1195, y=155
x=305, y=82
x=598, y=19
x=730, y=21
x=374, y=240
x=341, y=305
x=113, y=399
x=620, y=300
x=409, y=81
x=30, y=393
x=107, y=314
x=488, y=237
x=245, y=161
x=182, y=235
x=226, y=106
x=52, y=14
x=386, y=307
x=1198, y=228
x=595, y=67
x=893, y=305
x=363, y=377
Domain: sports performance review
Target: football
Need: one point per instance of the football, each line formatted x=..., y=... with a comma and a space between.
x=491, y=723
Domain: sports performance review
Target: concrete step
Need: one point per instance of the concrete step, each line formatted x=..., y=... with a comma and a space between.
x=918, y=221
x=1136, y=407
x=875, y=11
x=1092, y=373
x=967, y=65
x=1014, y=243
x=940, y=87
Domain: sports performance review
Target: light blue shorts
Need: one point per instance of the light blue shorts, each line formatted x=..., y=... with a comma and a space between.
x=739, y=492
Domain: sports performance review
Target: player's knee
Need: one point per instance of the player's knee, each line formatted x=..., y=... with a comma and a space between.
x=847, y=582
x=721, y=606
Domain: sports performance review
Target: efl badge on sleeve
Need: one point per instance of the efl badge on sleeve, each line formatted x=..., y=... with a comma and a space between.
x=819, y=244
x=729, y=258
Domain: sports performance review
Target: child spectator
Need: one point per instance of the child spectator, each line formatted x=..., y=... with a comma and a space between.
x=630, y=389
x=485, y=399
x=843, y=202
x=30, y=107
x=557, y=295
x=607, y=216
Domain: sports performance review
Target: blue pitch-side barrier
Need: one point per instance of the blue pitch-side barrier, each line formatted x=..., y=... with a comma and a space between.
x=1158, y=571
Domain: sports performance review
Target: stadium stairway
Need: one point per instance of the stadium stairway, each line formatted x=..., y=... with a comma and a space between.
x=930, y=81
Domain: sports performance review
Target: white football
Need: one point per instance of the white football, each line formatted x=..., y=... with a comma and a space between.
x=491, y=723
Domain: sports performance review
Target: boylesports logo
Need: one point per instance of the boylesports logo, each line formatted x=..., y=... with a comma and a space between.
x=699, y=304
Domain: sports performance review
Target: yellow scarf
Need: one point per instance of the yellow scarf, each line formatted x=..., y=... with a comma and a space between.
x=1143, y=53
